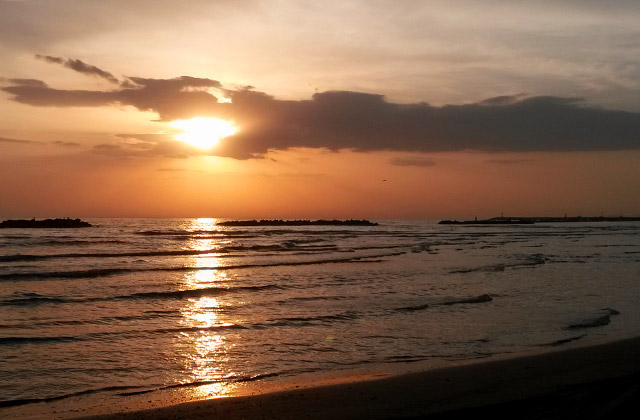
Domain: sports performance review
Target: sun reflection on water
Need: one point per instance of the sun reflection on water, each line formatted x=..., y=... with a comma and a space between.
x=203, y=224
x=206, y=356
x=205, y=238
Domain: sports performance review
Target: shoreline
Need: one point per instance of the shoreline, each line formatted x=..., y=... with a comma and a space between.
x=599, y=378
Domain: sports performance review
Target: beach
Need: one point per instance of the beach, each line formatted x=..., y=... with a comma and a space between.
x=599, y=381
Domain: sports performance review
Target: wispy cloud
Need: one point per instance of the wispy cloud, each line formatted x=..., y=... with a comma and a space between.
x=145, y=146
x=80, y=67
x=66, y=143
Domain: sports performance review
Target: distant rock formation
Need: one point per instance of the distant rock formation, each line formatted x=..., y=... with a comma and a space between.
x=297, y=223
x=532, y=220
x=44, y=224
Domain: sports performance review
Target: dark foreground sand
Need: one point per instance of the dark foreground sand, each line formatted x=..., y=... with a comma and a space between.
x=596, y=382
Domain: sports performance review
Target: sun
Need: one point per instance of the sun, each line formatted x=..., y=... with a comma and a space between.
x=203, y=132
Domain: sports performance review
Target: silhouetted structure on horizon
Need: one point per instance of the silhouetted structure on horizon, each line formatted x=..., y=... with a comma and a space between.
x=532, y=220
x=46, y=223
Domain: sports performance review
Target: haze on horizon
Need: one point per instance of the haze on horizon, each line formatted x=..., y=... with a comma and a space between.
x=351, y=109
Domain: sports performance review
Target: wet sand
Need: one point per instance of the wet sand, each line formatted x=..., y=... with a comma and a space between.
x=601, y=381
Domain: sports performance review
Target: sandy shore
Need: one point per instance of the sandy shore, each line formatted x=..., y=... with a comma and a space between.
x=587, y=383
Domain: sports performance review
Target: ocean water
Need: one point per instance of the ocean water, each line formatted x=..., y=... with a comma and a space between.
x=141, y=306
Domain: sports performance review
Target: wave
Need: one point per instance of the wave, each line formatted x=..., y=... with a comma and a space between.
x=103, y=272
x=182, y=252
x=412, y=308
x=314, y=298
x=476, y=299
x=192, y=293
x=563, y=341
x=191, y=233
x=26, y=257
x=146, y=315
x=531, y=260
x=162, y=312
x=599, y=321
x=83, y=242
x=59, y=241
x=86, y=274
x=37, y=340
x=32, y=299
x=262, y=231
x=233, y=378
x=14, y=403
x=139, y=389
x=35, y=299
x=20, y=340
x=279, y=322
x=406, y=358
x=311, y=320
x=286, y=246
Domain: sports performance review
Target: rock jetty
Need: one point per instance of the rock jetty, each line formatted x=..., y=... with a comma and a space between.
x=532, y=220
x=44, y=224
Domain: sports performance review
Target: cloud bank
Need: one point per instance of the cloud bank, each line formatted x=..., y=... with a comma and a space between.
x=336, y=120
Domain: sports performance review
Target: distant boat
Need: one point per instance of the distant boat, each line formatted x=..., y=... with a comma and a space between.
x=44, y=224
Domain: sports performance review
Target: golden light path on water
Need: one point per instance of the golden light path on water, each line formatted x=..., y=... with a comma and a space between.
x=206, y=356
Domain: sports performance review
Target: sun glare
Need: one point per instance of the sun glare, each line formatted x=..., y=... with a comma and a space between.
x=203, y=132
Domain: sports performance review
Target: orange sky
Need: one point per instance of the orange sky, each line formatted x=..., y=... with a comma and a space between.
x=405, y=110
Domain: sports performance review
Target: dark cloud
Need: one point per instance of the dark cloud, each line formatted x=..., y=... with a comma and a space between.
x=503, y=100
x=28, y=82
x=8, y=140
x=338, y=120
x=80, y=67
x=367, y=122
x=181, y=97
x=419, y=161
x=507, y=161
x=66, y=143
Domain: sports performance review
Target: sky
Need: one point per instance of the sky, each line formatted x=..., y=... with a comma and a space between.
x=345, y=109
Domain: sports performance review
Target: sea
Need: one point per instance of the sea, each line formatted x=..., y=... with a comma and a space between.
x=145, y=308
